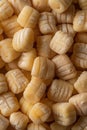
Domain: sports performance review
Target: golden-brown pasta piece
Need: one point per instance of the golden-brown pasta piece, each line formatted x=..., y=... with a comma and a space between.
x=10, y=26
x=33, y=126
x=41, y=6
x=56, y=126
x=80, y=21
x=61, y=42
x=23, y=40
x=6, y=10
x=83, y=4
x=28, y=17
x=39, y=113
x=79, y=56
x=4, y=122
x=80, y=103
x=43, y=46
x=19, y=120
x=8, y=54
x=43, y=68
x=60, y=6
x=3, y=84
x=26, y=60
x=64, y=113
x=34, y=90
x=65, y=17
x=16, y=80
x=81, y=83
x=67, y=28
x=18, y=5
x=81, y=37
x=60, y=91
x=8, y=104
x=64, y=67
x=80, y=124
x=47, y=23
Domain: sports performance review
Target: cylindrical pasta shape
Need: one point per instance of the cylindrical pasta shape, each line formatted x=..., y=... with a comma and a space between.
x=80, y=124
x=18, y=5
x=83, y=4
x=80, y=103
x=2, y=63
x=60, y=6
x=60, y=91
x=26, y=60
x=41, y=6
x=28, y=17
x=4, y=122
x=12, y=65
x=79, y=56
x=43, y=68
x=3, y=84
x=8, y=104
x=65, y=17
x=47, y=23
x=81, y=37
x=6, y=10
x=19, y=120
x=81, y=83
x=10, y=26
x=43, y=46
x=16, y=80
x=64, y=67
x=8, y=54
x=39, y=113
x=64, y=113
x=61, y=42
x=25, y=106
x=67, y=28
x=80, y=21
x=56, y=126
x=37, y=86
x=33, y=126
x=23, y=40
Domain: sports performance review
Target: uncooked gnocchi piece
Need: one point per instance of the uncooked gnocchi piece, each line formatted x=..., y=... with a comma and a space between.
x=26, y=60
x=79, y=56
x=80, y=21
x=39, y=113
x=41, y=6
x=16, y=80
x=10, y=26
x=23, y=40
x=64, y=113
x=28, y=17
x=43, y=46
x=61, y=42
x=18, y=5
x=47, y=23
x=65, y=17
x=19, y=120
x=64, y=67
x=8, y=104
x=60, y=6
x=6, y=10
x=80, y=124
x=83, y=4
x=4, y=122
x=8, y=54
x=35, y=90
x=80, y=103
x=43, y=68
x=60, y=91
x=33, y=126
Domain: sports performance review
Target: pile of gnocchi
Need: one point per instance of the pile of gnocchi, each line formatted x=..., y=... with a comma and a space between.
x=43, y=64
